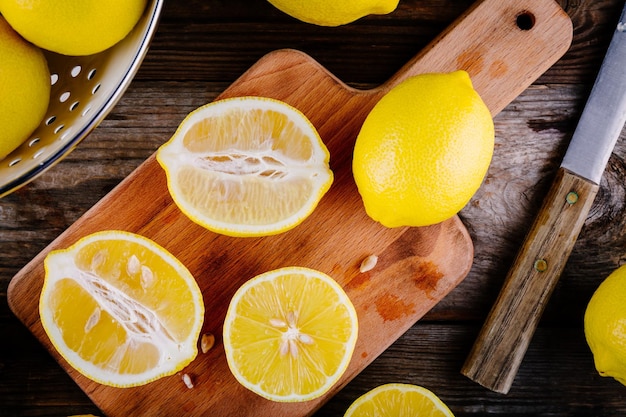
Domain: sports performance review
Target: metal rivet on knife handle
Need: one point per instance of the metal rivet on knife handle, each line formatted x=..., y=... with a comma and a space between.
x=502, y=342
x=572, y=197
x=541, y=265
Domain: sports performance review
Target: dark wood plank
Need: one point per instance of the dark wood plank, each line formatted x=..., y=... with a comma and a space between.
x=202, y=47
x=485, y=38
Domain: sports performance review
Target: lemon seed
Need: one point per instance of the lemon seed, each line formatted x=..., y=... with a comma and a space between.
x=187, y=381
x=207, y=342
x=368, y=263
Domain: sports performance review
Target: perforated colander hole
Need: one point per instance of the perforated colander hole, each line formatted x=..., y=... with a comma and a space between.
x=91, y=74
x=58, y=128
x=15, y=162
x=87, y=110
x=75, y=71
x=54, y=78
x=74, y=105
x=64, y=97
x=66, y=135
x=95, y=89
x=33, y=142
x=50, y=120
x=38, y=154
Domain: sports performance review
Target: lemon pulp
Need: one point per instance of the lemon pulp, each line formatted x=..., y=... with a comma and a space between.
x=398, y=400
x=121, y=309
x=246, y=166
x=289, y=334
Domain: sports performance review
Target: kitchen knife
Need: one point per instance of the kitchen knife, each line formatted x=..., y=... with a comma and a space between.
x=502, y=342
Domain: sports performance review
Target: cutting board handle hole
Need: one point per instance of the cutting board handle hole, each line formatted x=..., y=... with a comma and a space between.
x=525, y=20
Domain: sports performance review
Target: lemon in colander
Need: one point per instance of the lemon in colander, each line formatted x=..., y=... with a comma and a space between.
x=73, y=27
x=24, y=88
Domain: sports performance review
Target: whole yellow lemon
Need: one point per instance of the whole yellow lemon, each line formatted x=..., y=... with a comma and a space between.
x=73, y=27
x=605, y=326
x=333, y=12
x=423, y=150
x=24, y=88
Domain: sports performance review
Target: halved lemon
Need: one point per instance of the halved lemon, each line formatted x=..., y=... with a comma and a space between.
x=121, y=309
x=246, y=166
x=289, y=334
x=398, y=400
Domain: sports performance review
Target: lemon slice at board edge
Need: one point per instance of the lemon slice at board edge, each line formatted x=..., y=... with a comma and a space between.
x=120, y=309
x=246, y=166
x=398, y=400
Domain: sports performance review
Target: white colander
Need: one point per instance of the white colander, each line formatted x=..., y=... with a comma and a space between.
x=84, y=90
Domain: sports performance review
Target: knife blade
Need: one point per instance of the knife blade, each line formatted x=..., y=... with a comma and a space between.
x=503, y=340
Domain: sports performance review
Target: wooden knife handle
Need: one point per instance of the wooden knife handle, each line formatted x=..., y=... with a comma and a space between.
x=504, y=338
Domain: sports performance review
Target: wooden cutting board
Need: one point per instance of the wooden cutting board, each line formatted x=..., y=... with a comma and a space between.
x=503, y=45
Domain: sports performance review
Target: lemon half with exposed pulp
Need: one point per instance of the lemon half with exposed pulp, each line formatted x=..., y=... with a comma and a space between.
x=398, y=400
x=289, y=334
x=246, y=166
x=121, y=309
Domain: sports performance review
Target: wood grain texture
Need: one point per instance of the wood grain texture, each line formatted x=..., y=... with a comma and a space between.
x=419, y=266
x=202, y=47
x=502, y=342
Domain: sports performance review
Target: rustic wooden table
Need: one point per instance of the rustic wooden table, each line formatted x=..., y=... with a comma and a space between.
x=201, y=47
